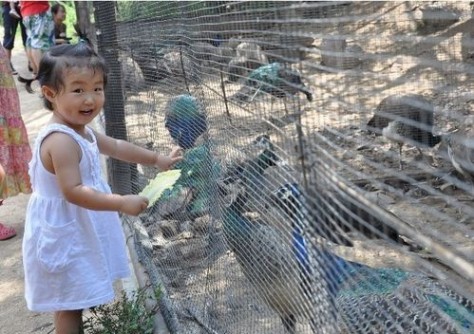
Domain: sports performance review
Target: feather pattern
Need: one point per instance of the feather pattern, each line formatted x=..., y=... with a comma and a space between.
x=274, y=79
x=383, y=300
x=266, y=257
x=250, y=173
x=185, y=120
x=198, y=169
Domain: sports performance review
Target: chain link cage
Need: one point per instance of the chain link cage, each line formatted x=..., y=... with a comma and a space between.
x=327, y=180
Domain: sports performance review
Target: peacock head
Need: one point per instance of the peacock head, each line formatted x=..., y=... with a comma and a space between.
x=268, y=157
x=263, y=141
x=185, y=120
x=290, y=200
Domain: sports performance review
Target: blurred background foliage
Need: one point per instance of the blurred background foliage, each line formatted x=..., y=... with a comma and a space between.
x=69, y=22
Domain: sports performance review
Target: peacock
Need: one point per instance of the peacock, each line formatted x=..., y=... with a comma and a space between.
x=198, y=170
x=376, y=300
x=461, y=148
x=332, y=209
x=250, y=173
x=185, y=120
x=276, y=269
x=405, y=119
x=274, y=79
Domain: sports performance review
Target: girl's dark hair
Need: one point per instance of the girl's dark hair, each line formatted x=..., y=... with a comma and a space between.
x=55, y=8
x=57, y=60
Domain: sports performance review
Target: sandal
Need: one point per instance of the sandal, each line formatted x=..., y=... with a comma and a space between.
x=27, y=83
x=6, y=232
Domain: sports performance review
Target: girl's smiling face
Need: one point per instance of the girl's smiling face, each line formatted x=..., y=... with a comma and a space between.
x=81, y=98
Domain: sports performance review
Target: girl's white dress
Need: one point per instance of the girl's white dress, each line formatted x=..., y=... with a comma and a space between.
x=71, y=255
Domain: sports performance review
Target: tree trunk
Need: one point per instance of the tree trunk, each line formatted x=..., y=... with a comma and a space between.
x=83, y=9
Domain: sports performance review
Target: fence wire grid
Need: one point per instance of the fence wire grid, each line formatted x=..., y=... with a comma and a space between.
x=327, y=184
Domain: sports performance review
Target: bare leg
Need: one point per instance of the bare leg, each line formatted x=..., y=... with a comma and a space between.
x=9, y=54
x=28, y=55
x=34, y=57
x=68, y=322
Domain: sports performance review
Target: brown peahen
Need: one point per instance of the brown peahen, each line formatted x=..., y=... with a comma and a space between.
x=461, y=148
x=405, y=119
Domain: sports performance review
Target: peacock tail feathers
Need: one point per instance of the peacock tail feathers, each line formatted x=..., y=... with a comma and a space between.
x=391, y=300
x=357, y=280
x=362, y=298
x=268, y=74
x=376, y=300
x=406, y=309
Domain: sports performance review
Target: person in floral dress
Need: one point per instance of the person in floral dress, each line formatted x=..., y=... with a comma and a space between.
x=15, y=152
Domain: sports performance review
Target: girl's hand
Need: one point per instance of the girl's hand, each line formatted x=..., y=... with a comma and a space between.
x=166, y=162
x=133, y=204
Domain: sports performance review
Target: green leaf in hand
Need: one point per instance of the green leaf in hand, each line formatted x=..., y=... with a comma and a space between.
x=159, y=184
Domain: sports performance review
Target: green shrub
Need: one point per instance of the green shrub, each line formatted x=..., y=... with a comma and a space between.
x=70, y=18
x=127, y=315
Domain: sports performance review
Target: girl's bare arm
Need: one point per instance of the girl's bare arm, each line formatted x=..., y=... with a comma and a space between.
x=61, y=156
x=125, y=151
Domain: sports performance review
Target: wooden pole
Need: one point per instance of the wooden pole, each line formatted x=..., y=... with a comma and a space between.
x=120, y=173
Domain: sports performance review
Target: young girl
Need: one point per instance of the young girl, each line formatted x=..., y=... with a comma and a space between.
x=73, y=246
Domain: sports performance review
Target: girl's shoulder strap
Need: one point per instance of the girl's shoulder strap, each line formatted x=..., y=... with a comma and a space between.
x=55, y=127
x=46, y=131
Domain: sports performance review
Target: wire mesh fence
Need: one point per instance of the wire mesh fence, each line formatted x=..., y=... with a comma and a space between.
x=327, y=184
